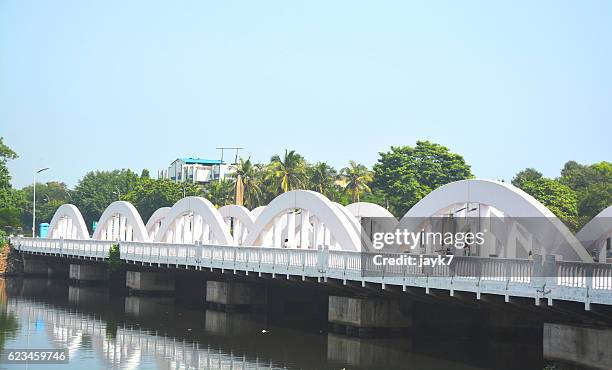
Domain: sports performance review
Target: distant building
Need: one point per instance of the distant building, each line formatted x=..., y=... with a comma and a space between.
x=196, y=170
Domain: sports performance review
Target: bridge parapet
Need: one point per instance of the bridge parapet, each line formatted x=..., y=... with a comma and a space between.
x=88, y=248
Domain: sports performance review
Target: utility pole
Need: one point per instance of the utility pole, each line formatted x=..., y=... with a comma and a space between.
x=34, y=202
x=222, y=149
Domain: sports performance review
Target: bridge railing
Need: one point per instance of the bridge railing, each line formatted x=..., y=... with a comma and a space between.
x=63, y=247
x=334, y=264
x=281, y=261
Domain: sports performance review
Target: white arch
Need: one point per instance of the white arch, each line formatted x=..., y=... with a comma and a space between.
x=257, y=211
x=121, y=221
x=154, y=223
x=513, y=202
x=243, y=221
x=365, y=209
x=68, y=223
x=594, y=234
x=328, y=216
x=194, y=219
x=372, y=218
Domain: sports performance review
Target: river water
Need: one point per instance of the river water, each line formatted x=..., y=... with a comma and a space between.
x=103, y=331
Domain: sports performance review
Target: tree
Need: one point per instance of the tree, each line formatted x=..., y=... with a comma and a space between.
x=148, y=195
x=220, y=193
x=11, y=200
x=322, y=178
x=557, y=197
x=592, y=184
x=6, y=154
x=528, y=174
x=96, y=190
x=289, y=172
x=12, y=204
x=406, y=174
x=252, y=182
x=592, y=200
x=145, y=174
x=357, y=177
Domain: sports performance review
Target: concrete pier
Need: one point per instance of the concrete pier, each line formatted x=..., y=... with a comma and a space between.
x=88, y=273
x=150, y=282
x=235, y=296
x=585, y=346
x=368, y=316
x=33, y=266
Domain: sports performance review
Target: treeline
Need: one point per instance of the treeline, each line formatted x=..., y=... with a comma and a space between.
x=401, y=177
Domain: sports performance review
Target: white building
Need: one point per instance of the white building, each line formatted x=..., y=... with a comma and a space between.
x=196, y=170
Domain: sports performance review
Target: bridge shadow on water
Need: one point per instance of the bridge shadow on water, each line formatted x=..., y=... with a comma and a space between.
x=127, y=331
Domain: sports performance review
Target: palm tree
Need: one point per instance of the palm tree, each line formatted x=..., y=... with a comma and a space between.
x=220, y=193
x=288, y=173
x=251, y=182
x=322, y=177
x=357, y=178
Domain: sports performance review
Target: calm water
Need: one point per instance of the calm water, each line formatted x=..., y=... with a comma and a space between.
x=104, y=331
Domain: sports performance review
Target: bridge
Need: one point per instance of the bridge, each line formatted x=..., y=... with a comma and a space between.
x=302, y=236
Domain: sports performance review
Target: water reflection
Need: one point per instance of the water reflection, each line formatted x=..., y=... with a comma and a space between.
x=101, y=330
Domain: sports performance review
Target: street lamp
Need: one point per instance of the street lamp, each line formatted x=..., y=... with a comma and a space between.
x=34, y=202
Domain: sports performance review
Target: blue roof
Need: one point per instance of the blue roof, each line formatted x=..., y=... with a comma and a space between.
x=191, y=160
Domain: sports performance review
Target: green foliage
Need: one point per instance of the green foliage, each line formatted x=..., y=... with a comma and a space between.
x=147, y=195
x=322, y=178
x=593, y=187
x=220, y=193
x=252, y=181
x=11, y=200
x=287, y=173
x=12, y=205
x=6, y=154
x=557, y=197
x=406, y=174
x=592, y=200
x=114, y=259
x=357, y=178
x=96, y=190
x=145, y=174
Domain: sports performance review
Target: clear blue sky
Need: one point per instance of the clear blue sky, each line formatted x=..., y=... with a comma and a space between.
x=88, y=85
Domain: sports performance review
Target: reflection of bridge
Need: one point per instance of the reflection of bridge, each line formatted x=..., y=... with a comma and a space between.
x=126, y=347
x=303, y=234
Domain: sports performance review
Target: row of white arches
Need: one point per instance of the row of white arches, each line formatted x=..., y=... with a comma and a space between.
x=308, y=220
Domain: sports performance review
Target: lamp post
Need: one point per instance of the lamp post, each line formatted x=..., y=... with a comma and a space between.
x=34, y=202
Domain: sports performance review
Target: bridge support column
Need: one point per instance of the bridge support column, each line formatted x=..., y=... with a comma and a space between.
x=88, y=273
x=33, y=266
x=581, y=345
x=150, y=282
x=368, y=316
x=235, y=296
